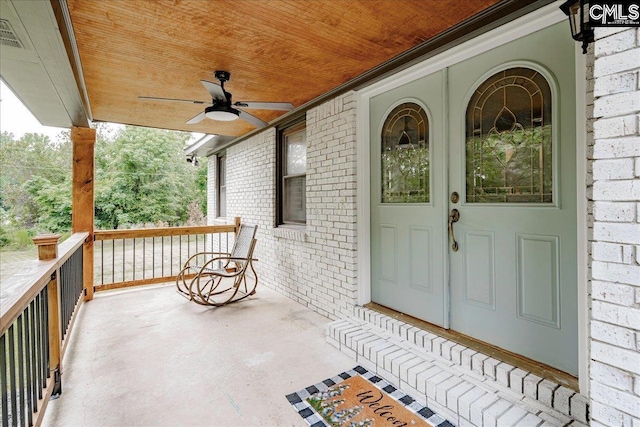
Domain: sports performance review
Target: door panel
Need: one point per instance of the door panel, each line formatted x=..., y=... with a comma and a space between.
x=408, y=243
x=535, y=310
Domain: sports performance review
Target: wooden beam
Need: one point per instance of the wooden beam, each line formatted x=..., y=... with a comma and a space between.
x=82, y=205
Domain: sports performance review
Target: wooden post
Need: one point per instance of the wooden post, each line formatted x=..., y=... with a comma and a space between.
x=237, y=221
x=47, y=246
x=82, y=206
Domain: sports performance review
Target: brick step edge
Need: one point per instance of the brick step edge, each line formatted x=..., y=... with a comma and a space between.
x=452, y=379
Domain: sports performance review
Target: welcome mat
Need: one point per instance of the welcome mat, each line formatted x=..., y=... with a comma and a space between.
x=359, y=398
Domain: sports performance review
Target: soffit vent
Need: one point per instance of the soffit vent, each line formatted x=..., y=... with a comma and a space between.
x=8, y=37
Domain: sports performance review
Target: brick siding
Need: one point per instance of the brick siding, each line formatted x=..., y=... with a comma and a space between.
x=614, y=234
x=316, y=265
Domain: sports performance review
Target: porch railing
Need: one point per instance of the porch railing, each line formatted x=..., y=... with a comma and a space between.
x=37, y=308
x=124, y=258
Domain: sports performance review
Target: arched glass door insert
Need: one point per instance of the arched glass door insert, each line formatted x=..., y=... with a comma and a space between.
x=405, y=155
x=509, y=139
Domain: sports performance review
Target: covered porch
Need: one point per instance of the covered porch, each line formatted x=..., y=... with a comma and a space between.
x=146, y=356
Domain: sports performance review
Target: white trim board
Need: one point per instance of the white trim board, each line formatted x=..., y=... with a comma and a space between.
x=535, y=21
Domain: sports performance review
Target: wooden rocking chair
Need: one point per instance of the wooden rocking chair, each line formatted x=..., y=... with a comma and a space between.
x=223, y=278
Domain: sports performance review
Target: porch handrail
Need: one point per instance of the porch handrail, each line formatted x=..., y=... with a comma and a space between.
x=146, y=256
x=162, y=232
x=19, y=290
x=37, y=311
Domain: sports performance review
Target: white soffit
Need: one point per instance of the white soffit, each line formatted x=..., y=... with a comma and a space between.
x=37, y=68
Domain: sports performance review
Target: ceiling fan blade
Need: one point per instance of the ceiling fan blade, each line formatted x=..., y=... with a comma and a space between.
x=214, y=90
x=197, y=119
x=284, y=106
x=190, y=101
x=252, y=119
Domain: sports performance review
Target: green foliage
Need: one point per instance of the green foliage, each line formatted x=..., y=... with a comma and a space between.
x=513, y=166
x=141, y=177
x=405, y=175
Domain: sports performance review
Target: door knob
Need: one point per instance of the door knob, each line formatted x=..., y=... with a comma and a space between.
x=454, y=217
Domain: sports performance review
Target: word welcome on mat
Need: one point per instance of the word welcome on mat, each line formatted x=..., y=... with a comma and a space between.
x=361, y=398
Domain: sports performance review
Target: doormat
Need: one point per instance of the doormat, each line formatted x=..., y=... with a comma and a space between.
x=361, y=398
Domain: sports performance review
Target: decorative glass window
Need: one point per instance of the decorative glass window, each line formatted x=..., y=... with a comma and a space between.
x=508, y=139
x=405, y=155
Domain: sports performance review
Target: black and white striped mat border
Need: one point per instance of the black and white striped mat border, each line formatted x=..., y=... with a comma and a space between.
x=299, y=399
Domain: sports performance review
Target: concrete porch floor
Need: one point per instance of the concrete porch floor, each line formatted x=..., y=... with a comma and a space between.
x=148, y=357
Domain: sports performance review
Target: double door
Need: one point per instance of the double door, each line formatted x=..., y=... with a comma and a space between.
x=473, y=202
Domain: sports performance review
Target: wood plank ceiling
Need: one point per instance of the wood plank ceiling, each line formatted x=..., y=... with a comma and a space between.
x=276, y=50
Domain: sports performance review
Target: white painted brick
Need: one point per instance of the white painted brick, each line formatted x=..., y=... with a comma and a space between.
x=465, y=401
x=579, y=408
x=443, y=388
x=516, y=380
x=436, y=345
x=615, y=83
x=545, y=392
x=349, y=352
x=492, y=413
x=511, y=417
x=530, y=420
x=617, y=63
x=615, y=126
x=362, y=348
x=607, y=415
x=561, y=398
x=433, y=381
x=530, y=385
x=615, y=314
x=479, y=406
x=618, y=336
x=396, y=364
x=621, y=400
x=502, y=373
x=406, y=368
x=333, y=342
x=628, y=190
x=467, y=356
x=613, y=169
x=477, y=361
x=622, y=273
x=489, y=367
x=624, y=359
x=381, y=355
x=611, y=252
x=616, y=148
x=446, y=349
x=456, y=353
x=413, y=373
x=454, y=394
x=422, y=377
x=615, y=43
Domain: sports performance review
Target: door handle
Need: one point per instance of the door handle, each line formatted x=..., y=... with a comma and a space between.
x=454, y=217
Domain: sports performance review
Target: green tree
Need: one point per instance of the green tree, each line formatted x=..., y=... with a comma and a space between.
x=23, y=159
x=142, y=177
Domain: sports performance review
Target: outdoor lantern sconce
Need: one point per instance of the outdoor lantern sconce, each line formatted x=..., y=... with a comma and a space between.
x=578, y=13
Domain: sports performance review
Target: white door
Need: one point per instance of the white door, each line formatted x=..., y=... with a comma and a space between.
x=509, y=130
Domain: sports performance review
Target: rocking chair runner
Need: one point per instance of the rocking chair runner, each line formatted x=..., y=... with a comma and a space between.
x=219, y=280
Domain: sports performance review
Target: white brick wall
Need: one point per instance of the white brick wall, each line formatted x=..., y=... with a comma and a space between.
x=615, y=228
x=316, y=267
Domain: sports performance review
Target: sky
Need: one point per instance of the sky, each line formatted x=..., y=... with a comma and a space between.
x=18, y=120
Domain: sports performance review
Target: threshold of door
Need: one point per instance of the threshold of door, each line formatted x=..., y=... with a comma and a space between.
x=526, y=364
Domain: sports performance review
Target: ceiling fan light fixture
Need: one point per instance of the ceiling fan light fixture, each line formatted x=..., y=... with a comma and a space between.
x=221, y=113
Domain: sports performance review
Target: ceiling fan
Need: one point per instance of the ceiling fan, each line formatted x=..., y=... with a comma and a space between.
x=222, y=108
